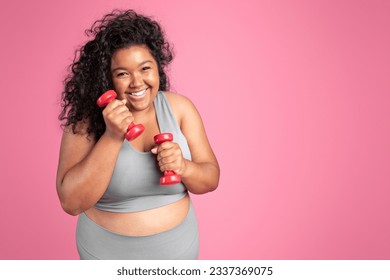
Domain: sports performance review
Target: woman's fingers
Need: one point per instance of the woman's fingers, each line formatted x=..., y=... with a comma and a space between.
x=170, y=157
x=117, y=118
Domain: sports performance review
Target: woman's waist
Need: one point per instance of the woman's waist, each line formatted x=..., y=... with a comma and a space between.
x=142, y=223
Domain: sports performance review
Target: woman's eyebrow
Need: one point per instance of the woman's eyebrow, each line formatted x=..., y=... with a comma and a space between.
x=146, y=61
x=118, y=68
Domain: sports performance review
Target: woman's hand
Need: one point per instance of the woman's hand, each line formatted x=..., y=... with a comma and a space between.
x=117, y=118
x=170, y=157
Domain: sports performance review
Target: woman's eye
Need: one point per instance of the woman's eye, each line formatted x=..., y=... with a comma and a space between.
x=121, y=74
x=146, y=68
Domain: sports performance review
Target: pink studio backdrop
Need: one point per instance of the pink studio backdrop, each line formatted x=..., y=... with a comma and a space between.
x=295, y=97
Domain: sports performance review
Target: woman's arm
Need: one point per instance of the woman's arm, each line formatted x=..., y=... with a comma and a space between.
x=85, y=167
x=201, y=174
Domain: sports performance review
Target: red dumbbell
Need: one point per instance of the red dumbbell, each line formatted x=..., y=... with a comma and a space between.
x=169, y=177
x=134, y=130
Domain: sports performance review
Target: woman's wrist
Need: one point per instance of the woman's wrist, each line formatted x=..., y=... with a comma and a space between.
x=185, y=170
x=113, y=137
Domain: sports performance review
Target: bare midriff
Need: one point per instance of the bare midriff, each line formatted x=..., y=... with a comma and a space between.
x=142, y=223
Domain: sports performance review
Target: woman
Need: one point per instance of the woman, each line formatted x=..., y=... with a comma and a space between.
x=113, y=184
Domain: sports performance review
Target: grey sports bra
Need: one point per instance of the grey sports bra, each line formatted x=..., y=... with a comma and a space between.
x=135, y=184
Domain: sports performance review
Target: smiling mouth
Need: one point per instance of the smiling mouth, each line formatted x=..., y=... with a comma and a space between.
x=138, y=93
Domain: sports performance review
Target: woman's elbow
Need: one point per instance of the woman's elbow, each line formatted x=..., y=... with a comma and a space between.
x=215, y=182
x=204, y=188
x=213, y=187
x=68, y=204
x=71, y=210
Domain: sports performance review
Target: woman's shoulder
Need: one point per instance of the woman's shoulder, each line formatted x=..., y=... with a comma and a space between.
x=181, y=105
x=79, y=132
x=178, y=101
x=176, y=97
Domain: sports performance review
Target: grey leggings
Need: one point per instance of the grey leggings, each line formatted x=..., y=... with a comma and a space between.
x=95, y=242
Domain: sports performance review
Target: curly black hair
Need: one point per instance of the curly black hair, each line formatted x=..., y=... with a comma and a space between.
x=90, y=74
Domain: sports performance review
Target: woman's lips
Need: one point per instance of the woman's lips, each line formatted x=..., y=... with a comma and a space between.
x=139, y=93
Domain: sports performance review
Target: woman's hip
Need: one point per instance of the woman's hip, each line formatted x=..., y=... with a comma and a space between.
x=96, y=242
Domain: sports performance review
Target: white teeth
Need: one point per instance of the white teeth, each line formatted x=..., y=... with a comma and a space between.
x=139, y=93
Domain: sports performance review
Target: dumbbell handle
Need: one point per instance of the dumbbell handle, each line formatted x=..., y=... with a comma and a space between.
x=169, y=177
x=134, y=130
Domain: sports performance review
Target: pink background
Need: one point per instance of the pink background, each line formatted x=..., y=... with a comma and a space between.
x=295, y=96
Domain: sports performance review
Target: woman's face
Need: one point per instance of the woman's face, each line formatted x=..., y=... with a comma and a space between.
x=135, y=76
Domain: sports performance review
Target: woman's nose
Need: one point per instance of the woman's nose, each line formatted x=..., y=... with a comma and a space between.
x=136, y=81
